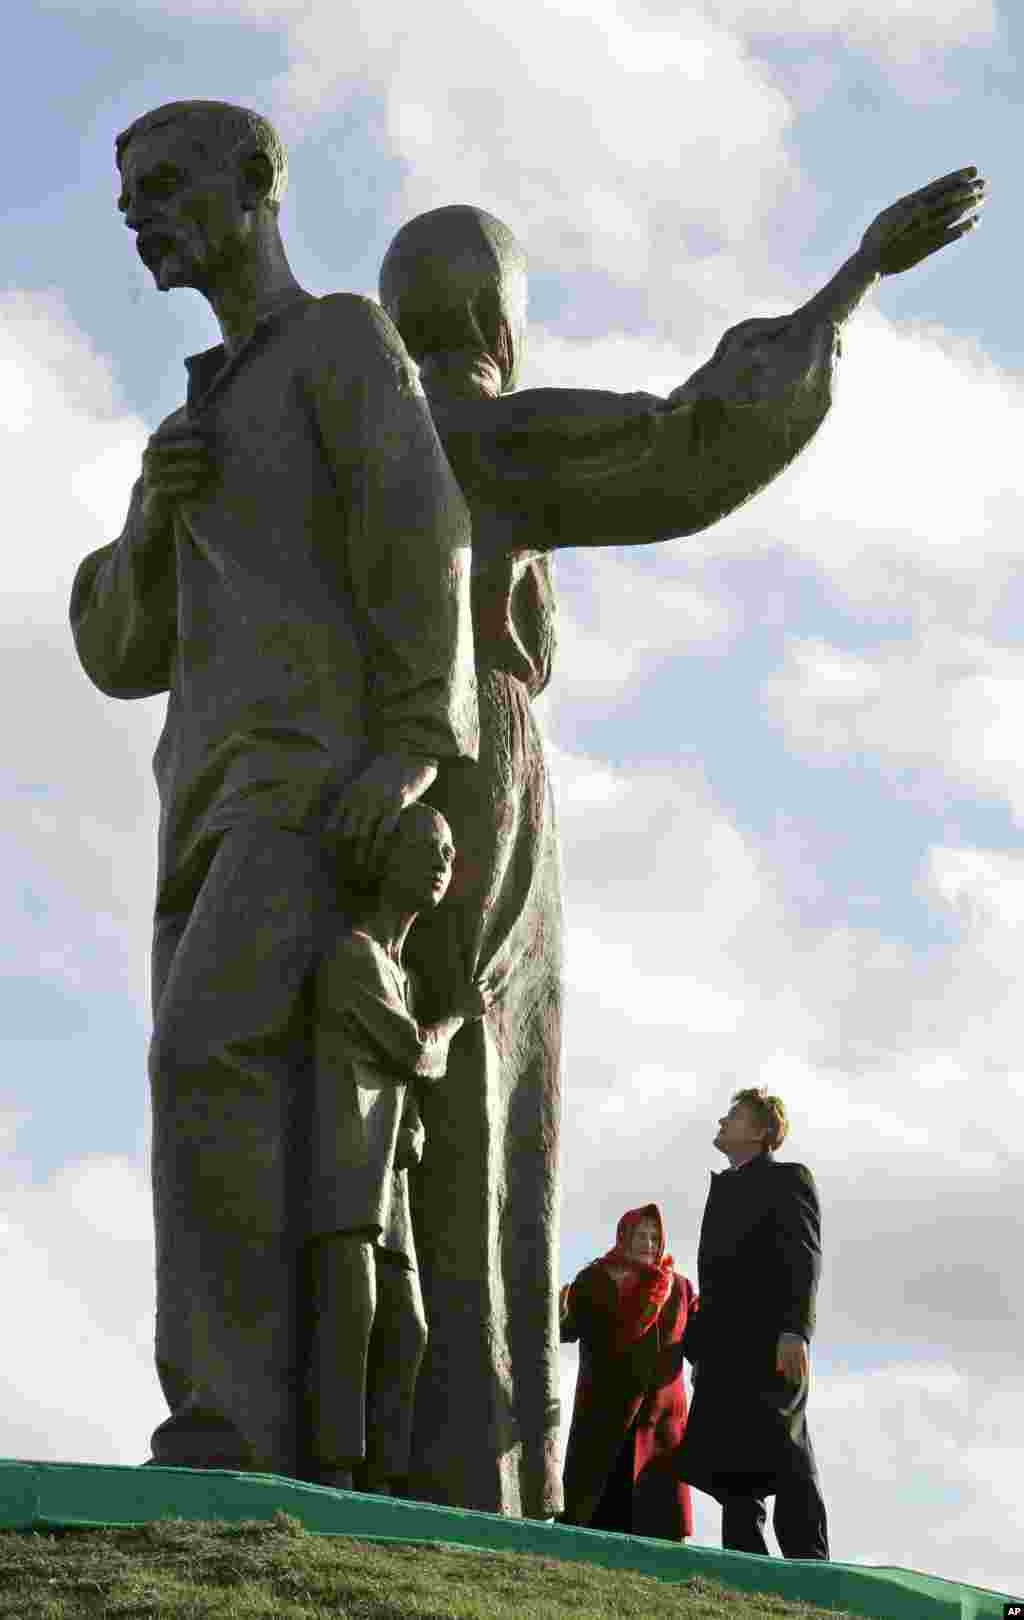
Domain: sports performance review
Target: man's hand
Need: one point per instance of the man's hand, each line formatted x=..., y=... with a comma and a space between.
x=791, y=1359
x=368, y=811
x=923, y=222
x=176, y=464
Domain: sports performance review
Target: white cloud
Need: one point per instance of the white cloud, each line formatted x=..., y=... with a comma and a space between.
x=618, y=360
x=614, y=629
x=77, y=1376
x=477, y=102
x=940, y=23
x=59, y=409
x=110, y=1197
x=910, y=497
x=79, y=802
x=913, y=1426
x=986, y=887
x=890, y=29
x=942, y=702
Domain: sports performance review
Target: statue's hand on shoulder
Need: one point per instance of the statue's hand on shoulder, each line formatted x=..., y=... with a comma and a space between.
x=176, y=463
x=921, y=223
x=367, y=813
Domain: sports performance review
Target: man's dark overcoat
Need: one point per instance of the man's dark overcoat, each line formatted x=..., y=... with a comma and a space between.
x=758, y=1265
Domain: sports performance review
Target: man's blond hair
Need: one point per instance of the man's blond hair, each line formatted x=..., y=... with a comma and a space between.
x=769, y=1112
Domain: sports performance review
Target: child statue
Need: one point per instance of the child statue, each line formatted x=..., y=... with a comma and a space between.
x=368, y=1330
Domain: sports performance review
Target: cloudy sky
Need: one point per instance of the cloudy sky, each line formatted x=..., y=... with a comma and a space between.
x=790, y=782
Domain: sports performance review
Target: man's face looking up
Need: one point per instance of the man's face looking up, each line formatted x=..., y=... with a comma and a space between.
x=739, y=1132
x=185, y=208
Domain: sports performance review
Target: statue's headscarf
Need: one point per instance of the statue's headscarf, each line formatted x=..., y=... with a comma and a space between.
x=455, y=278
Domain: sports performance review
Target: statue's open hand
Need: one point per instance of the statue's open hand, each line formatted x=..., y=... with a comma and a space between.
x=368, y=811
x=176, y=463
x=923, y=222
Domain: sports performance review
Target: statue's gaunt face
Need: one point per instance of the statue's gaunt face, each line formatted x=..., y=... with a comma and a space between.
x=185, y=208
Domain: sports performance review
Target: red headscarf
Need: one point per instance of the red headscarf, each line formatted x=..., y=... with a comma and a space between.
x=642, y=1286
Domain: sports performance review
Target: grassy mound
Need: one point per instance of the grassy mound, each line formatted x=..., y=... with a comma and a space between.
x=259, y=1570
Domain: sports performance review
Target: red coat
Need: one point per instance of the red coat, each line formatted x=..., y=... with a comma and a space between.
x=637, y=1392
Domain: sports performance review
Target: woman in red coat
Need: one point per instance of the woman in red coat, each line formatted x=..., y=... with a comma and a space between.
x=629, y=1311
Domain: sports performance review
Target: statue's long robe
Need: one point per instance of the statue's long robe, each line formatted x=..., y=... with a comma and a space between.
x=544, y=469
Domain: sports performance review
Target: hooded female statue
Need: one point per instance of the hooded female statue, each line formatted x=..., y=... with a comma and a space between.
x=544, y=469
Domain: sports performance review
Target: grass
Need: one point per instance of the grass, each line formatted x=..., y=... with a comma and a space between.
x=274, y=1570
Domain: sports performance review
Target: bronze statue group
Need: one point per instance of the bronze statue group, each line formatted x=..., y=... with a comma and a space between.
x=336, y=565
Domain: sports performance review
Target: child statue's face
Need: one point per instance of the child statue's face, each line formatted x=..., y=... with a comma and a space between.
x=421, y=859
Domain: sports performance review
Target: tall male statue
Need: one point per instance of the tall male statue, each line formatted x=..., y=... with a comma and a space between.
x=542, y=469
x=294, y=572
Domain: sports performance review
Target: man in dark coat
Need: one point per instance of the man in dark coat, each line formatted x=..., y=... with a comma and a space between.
x=758, y=1265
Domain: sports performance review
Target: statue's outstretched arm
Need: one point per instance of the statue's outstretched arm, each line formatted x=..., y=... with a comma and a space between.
x=744, y=416
x=557, y=467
